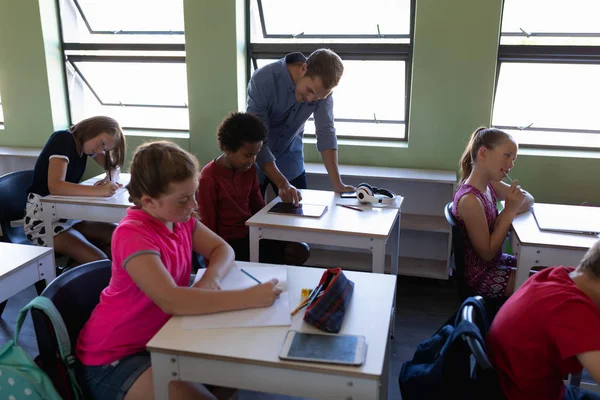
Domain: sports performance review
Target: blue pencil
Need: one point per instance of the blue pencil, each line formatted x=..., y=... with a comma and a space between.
x=247, y=273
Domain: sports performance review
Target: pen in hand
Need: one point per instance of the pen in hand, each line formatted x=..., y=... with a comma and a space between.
x=250, y=275
x=506, y=175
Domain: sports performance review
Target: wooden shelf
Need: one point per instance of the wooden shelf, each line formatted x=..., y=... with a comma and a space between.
x=361, y=261
x=407, y=174
x=428, y=223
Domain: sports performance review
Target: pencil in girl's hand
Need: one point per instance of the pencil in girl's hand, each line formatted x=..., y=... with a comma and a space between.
x=506, y=175
x=252, y=277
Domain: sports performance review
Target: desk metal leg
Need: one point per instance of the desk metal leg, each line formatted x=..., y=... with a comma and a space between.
x=165, y=368
x=46, y=272
x=378, y=250
x=394, y=242
x=48, y=215
x=255, y=235
x=384, y=387
x=527, y=257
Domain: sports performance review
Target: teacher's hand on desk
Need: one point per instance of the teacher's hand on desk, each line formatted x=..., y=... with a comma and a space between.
x=289, y=194
x=341, y=188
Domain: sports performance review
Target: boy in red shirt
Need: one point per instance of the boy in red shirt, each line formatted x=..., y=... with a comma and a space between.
x=549, y=328
x=229, y=192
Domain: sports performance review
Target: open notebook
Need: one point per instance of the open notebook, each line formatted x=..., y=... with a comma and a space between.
x=118, y=192
x=276, y=315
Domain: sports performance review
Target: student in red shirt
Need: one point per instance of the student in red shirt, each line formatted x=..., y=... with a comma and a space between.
x=229, y=192
x=548, y=328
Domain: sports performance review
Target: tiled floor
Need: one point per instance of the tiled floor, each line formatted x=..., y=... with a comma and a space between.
x=422, y=306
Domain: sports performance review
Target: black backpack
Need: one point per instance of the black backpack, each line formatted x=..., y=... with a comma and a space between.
x=441, y=365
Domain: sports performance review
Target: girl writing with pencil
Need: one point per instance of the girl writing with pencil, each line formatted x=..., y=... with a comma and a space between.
x=151, y=268
x=58, y=171
x=489, y=156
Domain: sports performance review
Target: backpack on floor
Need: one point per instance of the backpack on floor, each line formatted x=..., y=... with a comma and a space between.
x=21, y=377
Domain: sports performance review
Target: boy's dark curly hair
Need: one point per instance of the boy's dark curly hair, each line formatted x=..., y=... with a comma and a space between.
x=240, y=127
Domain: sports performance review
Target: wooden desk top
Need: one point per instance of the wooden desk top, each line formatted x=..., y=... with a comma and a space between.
x=528, y=232
x=369, y=315
x=15, y=256
x=120, y=200
x=372, y=222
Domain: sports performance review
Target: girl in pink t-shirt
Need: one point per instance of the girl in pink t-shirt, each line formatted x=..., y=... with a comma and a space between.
x=152, y=250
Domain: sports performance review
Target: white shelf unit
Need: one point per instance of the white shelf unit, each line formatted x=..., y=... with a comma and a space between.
x=425, y=237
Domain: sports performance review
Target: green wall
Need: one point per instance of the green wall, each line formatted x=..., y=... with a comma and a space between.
x=454, y=66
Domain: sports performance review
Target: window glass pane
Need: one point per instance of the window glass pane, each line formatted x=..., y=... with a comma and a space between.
x=143, y=21
x=571, y=19
x=154, y=84
x=323, y=18
x=551, y=96
x=372, y=93
x=140, y=83
x=556, y=139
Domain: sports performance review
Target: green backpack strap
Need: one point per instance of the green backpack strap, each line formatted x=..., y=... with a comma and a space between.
x=46, y=305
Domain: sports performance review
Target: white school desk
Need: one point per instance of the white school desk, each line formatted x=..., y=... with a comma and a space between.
x=247, y=358
x=23, y=266
x=110, y=210
x=339, y=226
x=534, y=247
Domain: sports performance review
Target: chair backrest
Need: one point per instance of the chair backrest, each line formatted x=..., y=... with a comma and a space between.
x=13, y=197
x=74, y=293
x=481, y=320
x=459, y=253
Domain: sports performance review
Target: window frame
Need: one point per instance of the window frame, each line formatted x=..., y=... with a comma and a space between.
x=546, y=54
x=347, y=51
x=121, y=32
x=83, y=49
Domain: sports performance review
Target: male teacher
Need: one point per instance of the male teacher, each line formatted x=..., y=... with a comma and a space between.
x=284, y=94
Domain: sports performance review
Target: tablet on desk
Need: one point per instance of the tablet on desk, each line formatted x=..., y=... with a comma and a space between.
x=324, y=348
x=303, y=210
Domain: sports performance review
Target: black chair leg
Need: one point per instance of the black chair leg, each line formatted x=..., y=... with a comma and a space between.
x=2, y=305
x=40, y=286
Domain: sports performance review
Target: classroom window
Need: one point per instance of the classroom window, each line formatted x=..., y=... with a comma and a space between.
x=373, y=39
x=126, y=59
x=547, y=83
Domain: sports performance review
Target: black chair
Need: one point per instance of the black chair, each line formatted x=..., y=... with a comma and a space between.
x=74, y=293
x=471, y=314
x=459, y=254
x=484, y=376
x=13, y=197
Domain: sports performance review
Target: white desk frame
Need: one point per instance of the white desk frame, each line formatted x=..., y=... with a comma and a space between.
x=534, y=247
x=23, y=266
x=111, y=210
x=371, y=229
x=247, y=358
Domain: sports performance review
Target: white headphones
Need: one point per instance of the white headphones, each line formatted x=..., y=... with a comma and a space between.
x=365, y=193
